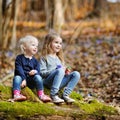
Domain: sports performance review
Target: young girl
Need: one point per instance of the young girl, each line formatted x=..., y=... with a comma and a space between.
x=27, y=70
x=53, y=69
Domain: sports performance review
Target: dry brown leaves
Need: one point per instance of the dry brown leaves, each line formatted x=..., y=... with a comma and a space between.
x=98, y=61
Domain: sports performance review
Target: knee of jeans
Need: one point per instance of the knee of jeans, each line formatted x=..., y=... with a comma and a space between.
x=60, y=71
x=17, y=79
x=38, y=78
x=76, y=74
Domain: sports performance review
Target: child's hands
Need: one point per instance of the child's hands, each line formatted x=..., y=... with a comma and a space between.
x=68, y=70
x=23, y=84
x=32, y=72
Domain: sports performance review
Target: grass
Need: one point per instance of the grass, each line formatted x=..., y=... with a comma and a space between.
x=31, y=107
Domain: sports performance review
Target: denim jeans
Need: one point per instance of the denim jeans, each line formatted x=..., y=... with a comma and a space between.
x=58, y=80
x=32, y=82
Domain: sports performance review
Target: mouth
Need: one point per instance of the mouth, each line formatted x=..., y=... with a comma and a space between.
x=58, y=48
x=34, y=50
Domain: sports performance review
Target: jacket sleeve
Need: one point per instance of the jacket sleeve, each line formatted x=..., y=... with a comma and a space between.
x=18, y=68
x=43, y=68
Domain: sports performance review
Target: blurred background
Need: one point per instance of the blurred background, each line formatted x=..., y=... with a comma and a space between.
x=90, y=30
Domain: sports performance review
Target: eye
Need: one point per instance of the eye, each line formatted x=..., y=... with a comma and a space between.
x=56, y=42
x=33, y=44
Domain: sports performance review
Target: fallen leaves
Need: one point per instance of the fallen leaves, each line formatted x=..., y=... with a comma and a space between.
x=93, y=51
x=98, y=62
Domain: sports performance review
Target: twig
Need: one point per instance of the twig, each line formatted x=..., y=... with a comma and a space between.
x=7, y=77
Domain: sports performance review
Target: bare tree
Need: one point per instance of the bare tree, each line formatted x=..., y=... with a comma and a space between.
x=58, y=15
x=0, y=24
x=49, y=11
x=6, y=22
x=99, y=6
x=15, y=10
x=10, y=9
x=71, y=9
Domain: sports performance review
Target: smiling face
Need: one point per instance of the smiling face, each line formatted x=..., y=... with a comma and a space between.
x=31, y=47
x=56, y=45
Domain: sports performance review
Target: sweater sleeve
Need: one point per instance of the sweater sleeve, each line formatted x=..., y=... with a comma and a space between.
x=37, y=66
x=18, y=68
x=43, y=68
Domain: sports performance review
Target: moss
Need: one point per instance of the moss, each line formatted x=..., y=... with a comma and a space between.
x=96, y=108
x=32, y=107
x=30, y=94
x=76, y=96
x=5, y=92
x=47, y=91
x=26, y=109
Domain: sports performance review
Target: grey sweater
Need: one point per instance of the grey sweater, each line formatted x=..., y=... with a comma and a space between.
x=49, y=64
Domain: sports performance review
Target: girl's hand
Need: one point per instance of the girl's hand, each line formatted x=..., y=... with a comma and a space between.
x=32, y=72
x=68, y=70
x=23, y=84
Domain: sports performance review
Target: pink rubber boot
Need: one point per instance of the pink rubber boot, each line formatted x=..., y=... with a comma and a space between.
x=43, y=97
x=18, y=96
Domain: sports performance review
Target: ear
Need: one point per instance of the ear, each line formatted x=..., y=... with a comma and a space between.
x=24, y=47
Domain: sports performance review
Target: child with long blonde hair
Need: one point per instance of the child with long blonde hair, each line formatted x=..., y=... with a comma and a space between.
x=27, y=70
x=53, y=70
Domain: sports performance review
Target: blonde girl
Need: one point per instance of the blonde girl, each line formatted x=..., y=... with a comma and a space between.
x=27, y=70
x=53, y=70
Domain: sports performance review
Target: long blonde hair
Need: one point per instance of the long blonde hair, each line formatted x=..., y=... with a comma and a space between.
x=47, y=45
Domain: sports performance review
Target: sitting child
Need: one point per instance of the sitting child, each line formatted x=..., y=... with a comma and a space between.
x=27, y=70
x=54, y=71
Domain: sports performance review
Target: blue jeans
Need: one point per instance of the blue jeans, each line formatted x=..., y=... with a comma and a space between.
x=58, y=80
x=32, y=82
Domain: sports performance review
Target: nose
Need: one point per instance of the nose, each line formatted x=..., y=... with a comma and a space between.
x=59, y=45
x=36, y=48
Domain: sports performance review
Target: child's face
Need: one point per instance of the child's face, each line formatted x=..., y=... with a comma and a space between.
x=56, y=45
x=31, y=47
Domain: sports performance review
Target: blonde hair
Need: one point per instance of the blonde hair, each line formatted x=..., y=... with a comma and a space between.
x=25, y=40
x=47, y=45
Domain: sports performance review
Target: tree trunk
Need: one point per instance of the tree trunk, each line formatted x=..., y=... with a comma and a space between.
x=99, y=6
x=49, y=10
x=13, y=38
x=58, y=15
x=74, y=8
x=6, y=28
x=70, y=11
x=0, y=24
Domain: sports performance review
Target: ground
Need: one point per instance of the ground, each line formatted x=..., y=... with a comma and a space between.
x=90, y=47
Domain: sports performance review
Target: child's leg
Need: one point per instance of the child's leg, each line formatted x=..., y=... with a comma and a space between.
x=17, y=80
x=37, y=79
x=53, y=81
x=16, y=89
x=69, y=82
x=39, y=86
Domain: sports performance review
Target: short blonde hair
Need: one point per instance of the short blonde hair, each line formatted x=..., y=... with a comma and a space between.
x=25, y=40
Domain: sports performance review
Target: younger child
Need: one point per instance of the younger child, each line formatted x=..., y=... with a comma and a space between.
x=53, y=69
x=27, y=70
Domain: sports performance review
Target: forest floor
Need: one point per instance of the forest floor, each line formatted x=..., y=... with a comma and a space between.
x=91, y=47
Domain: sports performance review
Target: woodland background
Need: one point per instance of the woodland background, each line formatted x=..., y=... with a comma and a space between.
x=91, y=34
